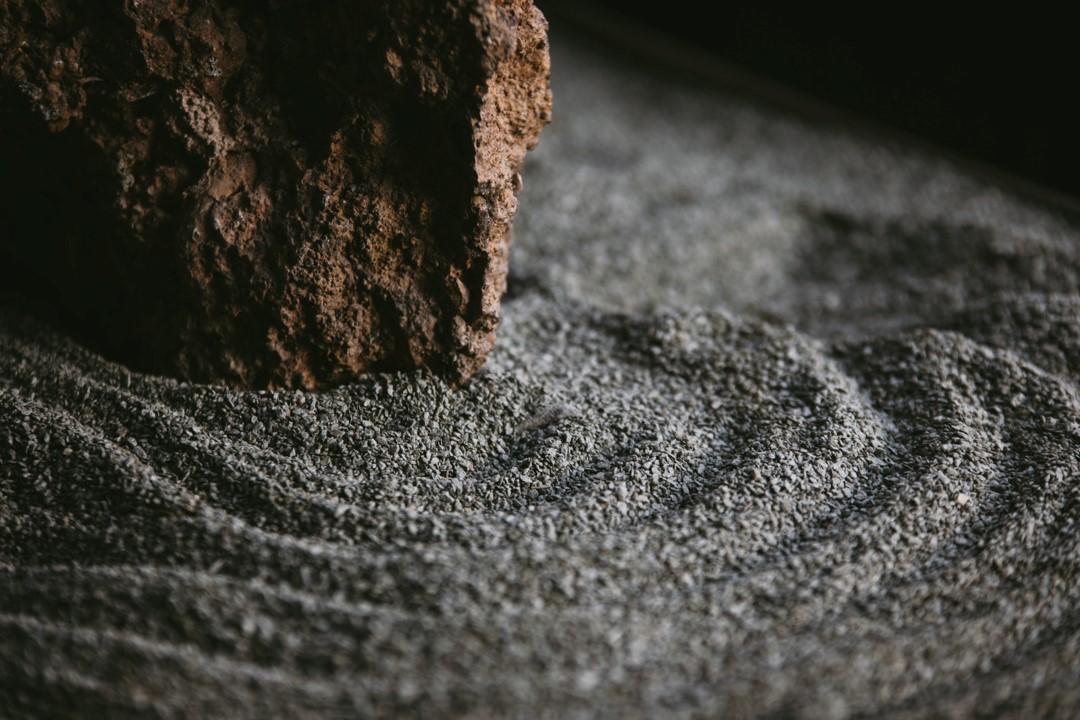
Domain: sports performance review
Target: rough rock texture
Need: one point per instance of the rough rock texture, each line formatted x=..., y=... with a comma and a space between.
x=272, y=193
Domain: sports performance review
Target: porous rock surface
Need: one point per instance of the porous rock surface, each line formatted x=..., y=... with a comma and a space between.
x=269, y=193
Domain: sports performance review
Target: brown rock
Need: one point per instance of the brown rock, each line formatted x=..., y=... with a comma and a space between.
x=269, y=192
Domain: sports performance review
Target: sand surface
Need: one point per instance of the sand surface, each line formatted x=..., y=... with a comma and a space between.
x=782, y=421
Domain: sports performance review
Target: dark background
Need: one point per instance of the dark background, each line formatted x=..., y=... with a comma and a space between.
x=996, y=86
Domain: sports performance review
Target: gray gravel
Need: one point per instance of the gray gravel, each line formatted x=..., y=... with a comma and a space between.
x=782, y=421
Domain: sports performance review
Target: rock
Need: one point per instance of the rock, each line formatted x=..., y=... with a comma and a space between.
x=269, y=193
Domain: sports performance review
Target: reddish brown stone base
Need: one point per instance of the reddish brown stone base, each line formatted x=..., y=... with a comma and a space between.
x=269, y=193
